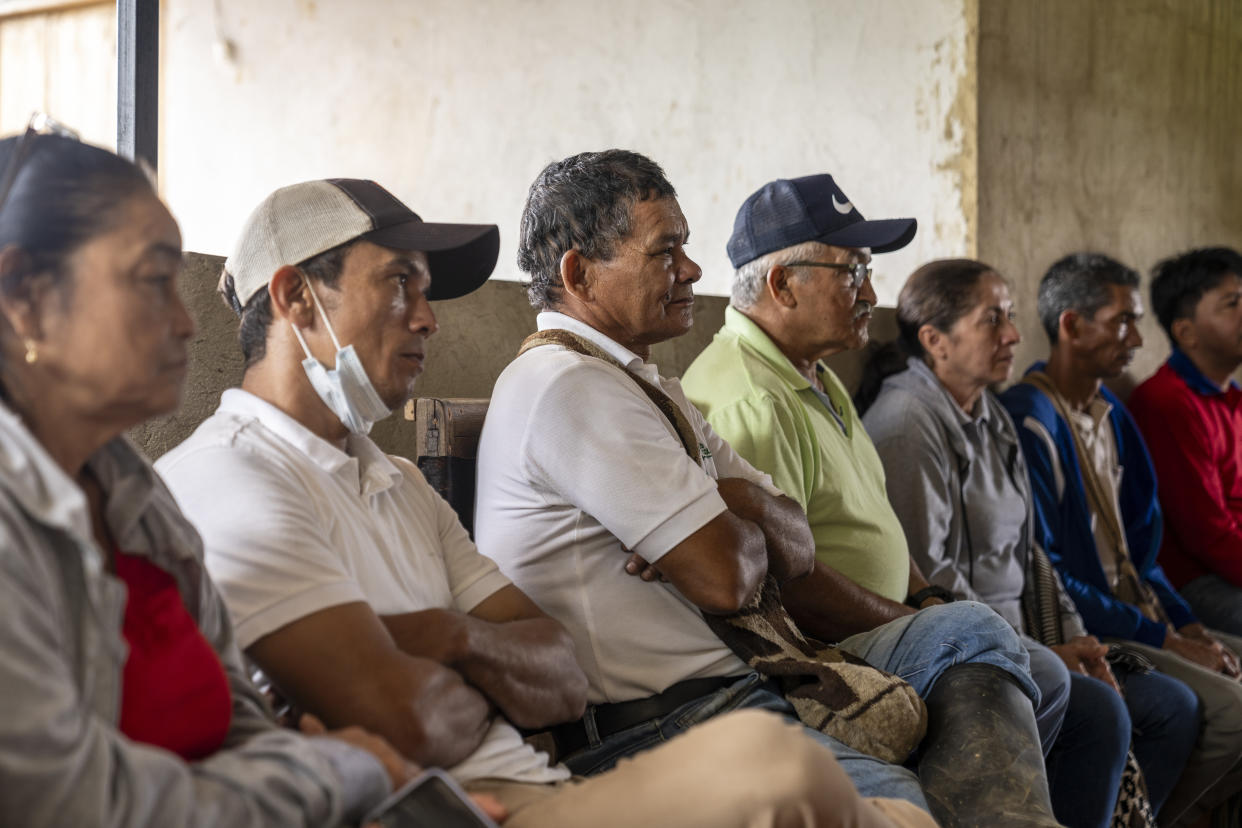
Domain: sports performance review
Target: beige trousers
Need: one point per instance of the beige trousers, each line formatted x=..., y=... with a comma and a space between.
x=1214, y=771
x=748, y=769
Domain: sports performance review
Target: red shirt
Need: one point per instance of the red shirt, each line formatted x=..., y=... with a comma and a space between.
x=1193, y=430
x=174, y=692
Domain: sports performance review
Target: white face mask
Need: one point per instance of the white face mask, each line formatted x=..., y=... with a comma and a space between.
x=345, y=390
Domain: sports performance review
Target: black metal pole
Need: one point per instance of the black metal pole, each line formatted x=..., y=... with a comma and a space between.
x=138, y=79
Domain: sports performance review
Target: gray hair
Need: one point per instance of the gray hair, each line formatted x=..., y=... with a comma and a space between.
x=1079, y=282
x=582, y=203
x=750, y=278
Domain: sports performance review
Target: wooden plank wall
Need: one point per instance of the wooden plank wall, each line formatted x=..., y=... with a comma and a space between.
x=60, y=60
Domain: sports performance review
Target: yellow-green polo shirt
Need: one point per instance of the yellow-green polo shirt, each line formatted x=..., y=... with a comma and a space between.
x=758, y=402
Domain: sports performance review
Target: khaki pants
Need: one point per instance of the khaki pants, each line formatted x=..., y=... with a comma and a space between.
x=748, y=769
x=1214, y=771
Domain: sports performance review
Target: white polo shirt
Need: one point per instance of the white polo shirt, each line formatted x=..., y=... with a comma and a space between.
x=577, y=465
x=291, y=524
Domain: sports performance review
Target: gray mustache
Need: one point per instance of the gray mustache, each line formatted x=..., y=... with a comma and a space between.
x=861, y=308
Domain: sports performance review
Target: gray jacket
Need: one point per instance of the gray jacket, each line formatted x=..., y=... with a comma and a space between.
x=920, y=435
x=62, y=759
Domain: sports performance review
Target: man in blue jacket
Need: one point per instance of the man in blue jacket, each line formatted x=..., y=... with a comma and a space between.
x=1096, y=510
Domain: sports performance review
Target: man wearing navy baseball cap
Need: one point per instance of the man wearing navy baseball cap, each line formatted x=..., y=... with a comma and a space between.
x=802, y=292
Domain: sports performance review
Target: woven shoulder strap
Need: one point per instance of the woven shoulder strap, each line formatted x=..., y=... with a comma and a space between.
x=831, y=690
x=580, y=345
x=1130, y=586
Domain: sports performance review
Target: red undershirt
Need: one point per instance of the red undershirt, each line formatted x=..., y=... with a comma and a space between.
x=174, y=691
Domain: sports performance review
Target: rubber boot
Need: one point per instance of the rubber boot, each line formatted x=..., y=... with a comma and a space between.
x=981, y=764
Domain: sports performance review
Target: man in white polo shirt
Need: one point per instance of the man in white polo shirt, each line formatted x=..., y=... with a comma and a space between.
x=354, y=586
x=600, y=508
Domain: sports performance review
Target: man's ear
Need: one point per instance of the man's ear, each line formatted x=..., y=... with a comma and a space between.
x=576, y=275
x=779, y=287
x=932, y=340
x=291, y=299
x=1184, y=333
x=23, y=295
x=1069, y=324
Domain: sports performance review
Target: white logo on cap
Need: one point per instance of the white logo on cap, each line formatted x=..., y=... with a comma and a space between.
x=841, y=207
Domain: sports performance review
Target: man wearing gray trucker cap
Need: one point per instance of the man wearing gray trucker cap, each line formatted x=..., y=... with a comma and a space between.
x=354, y=586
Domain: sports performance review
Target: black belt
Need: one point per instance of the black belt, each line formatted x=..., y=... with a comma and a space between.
x=572, y=737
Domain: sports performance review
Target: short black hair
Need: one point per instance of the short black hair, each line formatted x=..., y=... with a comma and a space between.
x=1079, y=282
x=582, y=203
x=1179, y=282
x=256, y=317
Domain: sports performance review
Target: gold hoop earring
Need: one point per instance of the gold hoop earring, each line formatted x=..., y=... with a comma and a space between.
x=32, y=352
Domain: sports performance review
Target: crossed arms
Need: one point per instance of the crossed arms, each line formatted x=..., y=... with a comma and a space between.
x=719, y=572
x=429, y=681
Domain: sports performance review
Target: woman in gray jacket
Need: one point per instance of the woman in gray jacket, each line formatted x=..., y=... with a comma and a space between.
x=125, y=698
x=958, y=482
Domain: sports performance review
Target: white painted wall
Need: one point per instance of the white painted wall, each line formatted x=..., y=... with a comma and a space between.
x=455, y=105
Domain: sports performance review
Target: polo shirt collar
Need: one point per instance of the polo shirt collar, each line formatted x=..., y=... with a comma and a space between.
x=550, y=320
x=375, y=472
x=745, y=329
x=1185, y=368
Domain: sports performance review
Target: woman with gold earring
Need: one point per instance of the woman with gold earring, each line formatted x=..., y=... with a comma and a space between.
x=125, y=698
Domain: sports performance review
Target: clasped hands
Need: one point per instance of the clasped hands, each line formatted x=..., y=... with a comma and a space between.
x=1194, y=643
x=1086, y=655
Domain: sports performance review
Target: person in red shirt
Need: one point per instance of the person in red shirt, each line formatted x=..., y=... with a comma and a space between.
x=1190, y=413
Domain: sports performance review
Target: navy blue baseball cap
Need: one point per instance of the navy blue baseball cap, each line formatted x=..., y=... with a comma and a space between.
x=791, y=211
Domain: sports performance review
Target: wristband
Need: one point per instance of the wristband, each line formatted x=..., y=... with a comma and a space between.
x=916, y=600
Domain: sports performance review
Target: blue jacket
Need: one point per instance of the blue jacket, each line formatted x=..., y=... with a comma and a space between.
x=1063, y=522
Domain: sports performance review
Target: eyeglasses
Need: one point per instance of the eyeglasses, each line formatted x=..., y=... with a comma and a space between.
x=859, y=271
x=40, y=123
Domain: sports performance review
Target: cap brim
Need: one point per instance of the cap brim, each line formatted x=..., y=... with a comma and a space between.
x=881, y=235
x=461, y=256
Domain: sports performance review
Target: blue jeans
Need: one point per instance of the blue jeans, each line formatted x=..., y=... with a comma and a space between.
x=1085, y=765
x=1217, y=602
x=1158, y=718
x=1165, y=713
x=918, y=648
x=1053, y=679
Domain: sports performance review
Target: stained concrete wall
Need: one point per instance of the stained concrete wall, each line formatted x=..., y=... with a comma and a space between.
x=1112, y=125
x=457, y=104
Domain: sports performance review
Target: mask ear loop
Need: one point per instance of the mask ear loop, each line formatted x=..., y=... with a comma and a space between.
x=298, y=331
x=302, y=341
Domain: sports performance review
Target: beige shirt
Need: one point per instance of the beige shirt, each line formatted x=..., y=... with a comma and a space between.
x=1095, y=433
